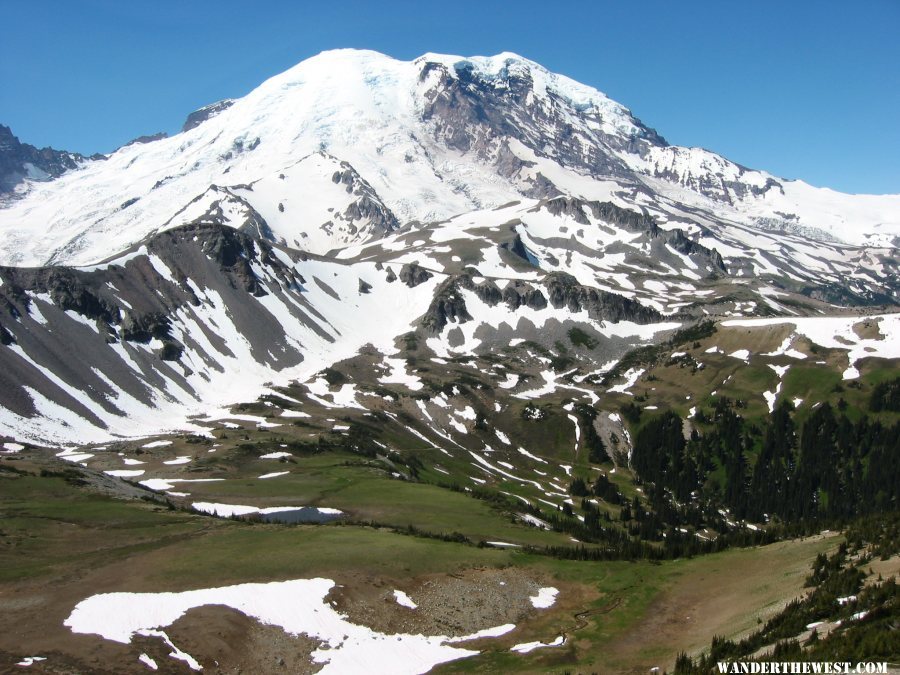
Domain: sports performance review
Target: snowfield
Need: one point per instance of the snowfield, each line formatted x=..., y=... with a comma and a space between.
x=297, y=606
x=838, y=333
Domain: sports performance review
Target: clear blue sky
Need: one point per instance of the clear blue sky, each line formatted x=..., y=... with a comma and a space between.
x=804, y=89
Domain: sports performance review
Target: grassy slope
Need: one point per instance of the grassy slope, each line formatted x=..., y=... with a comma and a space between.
x=58, y=537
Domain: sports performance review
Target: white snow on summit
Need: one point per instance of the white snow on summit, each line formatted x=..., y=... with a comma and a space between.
x=276, y=151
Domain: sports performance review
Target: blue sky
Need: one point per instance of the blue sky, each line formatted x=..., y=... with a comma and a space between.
x=803, y=89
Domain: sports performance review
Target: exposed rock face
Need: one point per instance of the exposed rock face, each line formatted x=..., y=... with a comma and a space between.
x=141, y=140
x=198, y=117
x=233, y=250
x=412, y=275
x=633, y=221
x=477, y=113
x=474, y=114
x=562, y=291
x=518, y=294
x=124, y=328
x=368, y=205
x=448, y=305
x=19, y=161
x=719, y=183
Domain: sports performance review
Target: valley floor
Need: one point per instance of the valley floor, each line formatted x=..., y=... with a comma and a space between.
x=63, y=544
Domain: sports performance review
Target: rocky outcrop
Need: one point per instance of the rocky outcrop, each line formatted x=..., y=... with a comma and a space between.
x=143, y=328
x=448, y=305
x=679, y=242
x=519, y=294
x=198, y=117
x=368, y=207
x=633, y=221
x=20, y=161
x=142, y=140
x=412, y=275
x=562, y=291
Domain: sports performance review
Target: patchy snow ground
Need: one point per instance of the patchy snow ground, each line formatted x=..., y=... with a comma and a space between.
x=837, y=333
x=631, y=377
x=297, y=606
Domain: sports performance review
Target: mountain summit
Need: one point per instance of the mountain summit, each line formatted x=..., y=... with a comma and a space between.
x=365, y=142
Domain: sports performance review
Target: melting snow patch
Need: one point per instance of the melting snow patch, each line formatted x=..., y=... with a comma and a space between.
x=125, y=473
x=467, y=413
x=157, y=444
x=176, y=653
x=496, y=631
x=167, y=483
x=526, y=647
x=503, y=544
x=531, y=520
x=31, y=660
x=742, y=354
x=13, y=447
x=630, y=378
x=275, y=455
x=511, y=381
x=147, y=661
x=544, y=598
x=296, y=606
x=181, y=459
x=398, y=375
x=404, y=600
x=294, y=413
x=530, y=456
x=839, y=333
x=229, y=510
x=459, y=426
x=779, y=370
x=275, y=474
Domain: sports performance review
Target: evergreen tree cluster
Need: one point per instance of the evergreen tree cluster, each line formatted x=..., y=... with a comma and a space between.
x=830, y=470
x=886, y=396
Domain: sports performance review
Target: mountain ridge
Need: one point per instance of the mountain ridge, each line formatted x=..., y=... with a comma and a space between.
x=434, y=137
x=359, y=202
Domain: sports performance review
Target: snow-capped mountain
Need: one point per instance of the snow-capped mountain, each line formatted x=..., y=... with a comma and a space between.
x=426, y=139
x=356, y=203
